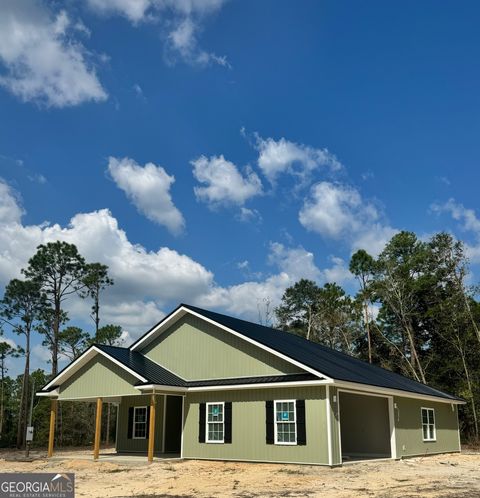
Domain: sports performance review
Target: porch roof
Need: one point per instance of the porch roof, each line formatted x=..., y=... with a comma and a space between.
x=151, y=371
x=158, y=375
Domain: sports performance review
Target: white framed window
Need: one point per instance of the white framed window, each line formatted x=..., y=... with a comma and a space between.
x=285, y=414
x=215, y=429
x=139, y=430
x=428, y=424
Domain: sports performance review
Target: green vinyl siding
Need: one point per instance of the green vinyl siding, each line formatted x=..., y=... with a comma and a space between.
x=126, y=445
x=98, y=378
x=249, y=428
x=408, y=427
x=195, y=350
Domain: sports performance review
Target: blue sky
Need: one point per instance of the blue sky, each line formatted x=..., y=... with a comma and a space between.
x=214, y=152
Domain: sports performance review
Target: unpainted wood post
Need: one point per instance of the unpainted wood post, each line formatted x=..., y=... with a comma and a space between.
x=151, y=429
x=51, y=435
x=98, y=429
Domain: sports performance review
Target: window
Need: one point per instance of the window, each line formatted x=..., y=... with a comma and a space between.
x=139, y=422
x=215, y=422
x=285, y=422
x=428, y=424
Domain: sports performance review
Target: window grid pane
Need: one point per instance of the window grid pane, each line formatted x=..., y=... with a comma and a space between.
x=428, y=424
x=215, y=413
x=215, y=422
x=140, y=422
x=285, y=422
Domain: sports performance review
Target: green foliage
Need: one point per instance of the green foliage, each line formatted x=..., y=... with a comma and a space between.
x=321, y=314
x=73, y=341
x=56, y=272
x=109, y=335
x=298, y=308
x=59, y=270
x=22, y=305
x=96, y=280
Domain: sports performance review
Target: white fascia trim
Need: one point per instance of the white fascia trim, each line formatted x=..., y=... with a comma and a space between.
x=48, y=394
x=183, y=311
x=107, y=399
x=232, y=387
x=393, y=392
x=84, y=358
x=160, y=387
x=162, y=325
x=263, y=385
x=361, y=393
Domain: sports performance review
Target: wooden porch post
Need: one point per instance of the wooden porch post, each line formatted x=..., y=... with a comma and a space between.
x=151, y=429
x=51, y=435
x=98, y=429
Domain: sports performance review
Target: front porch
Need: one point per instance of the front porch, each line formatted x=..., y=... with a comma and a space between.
x=148, y=428
x=149, y=400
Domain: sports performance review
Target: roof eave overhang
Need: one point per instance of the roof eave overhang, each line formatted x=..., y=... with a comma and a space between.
x=231, y=387
x=48, y=394
x=367, y=388
x=263, y=385
x=160, y=387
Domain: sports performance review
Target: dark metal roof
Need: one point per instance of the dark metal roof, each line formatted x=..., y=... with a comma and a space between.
x=327, y=361
x=322, y=359
x=153, y=372
x=156, y=374
x=253, y=380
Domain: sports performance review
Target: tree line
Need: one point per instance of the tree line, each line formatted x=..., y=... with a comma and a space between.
x=37, y=304
x=415, y=312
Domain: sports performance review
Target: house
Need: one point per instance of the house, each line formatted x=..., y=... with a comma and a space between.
x=203, y=385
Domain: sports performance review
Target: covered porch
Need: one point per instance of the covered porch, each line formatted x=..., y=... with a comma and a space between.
x=150, y=410
x=147, y=426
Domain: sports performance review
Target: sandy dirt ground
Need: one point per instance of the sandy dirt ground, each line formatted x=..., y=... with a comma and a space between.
x=444, y=476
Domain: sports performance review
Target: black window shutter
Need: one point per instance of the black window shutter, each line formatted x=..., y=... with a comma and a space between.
x=202, y=419
x=269, y=422
x=130, y=422
x=301, y=426
x=227, y=436
x=147, y=429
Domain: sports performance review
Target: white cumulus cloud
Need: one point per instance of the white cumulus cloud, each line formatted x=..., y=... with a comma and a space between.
x=43, y=61
x=10, y=209
x=244, y=299
x=224, y=184
x=339, y=212
x=143, y=279
x=148, y=188
x=134, y=10
x=282, y=156
x=182, y=20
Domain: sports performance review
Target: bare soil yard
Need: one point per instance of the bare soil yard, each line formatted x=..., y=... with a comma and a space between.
x=443, y=476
